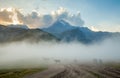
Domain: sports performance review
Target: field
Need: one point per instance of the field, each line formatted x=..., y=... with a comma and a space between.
x=18, y=73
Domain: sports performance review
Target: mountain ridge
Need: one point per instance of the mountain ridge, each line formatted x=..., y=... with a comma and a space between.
x=58, y=31
x=11, y=34
x=68, y=33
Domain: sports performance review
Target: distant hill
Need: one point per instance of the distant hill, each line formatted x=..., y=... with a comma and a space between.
x=18, y=26
x=9, y=34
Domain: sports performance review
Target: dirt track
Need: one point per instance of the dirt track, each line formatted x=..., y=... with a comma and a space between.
x=78, y=71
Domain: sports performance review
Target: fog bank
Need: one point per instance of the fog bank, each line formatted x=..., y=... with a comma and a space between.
x=27, y=54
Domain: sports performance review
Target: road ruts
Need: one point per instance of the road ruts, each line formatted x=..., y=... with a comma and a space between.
x=102, y=72
x=47, y=73
x=79, y=71
x=73, y=72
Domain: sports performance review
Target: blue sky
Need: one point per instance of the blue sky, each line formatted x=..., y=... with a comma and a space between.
x=102, y=14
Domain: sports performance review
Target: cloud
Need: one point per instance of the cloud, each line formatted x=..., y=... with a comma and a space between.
x=35, y=19
x=9, y=16
x=5, y=15
x=93, y=28
x=106, y=26
x=74, y=19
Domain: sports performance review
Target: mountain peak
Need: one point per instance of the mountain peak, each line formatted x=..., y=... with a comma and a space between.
x=61, y=23
x=58, y=27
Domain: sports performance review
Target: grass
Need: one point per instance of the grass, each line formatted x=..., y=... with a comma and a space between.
x=113, y=64
x=18, y=73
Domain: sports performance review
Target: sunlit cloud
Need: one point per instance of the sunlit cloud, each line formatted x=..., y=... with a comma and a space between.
x=8, y=16
x=35, y=19
x=94, y=28
x=108, y=26
x=63, y=13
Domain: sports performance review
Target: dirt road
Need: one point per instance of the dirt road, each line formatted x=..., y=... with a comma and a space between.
x=78, y=71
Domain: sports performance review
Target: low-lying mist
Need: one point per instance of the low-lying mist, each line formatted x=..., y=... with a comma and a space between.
x=24, y=54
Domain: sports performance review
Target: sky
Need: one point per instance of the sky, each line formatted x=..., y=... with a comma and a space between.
x=96, y=14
